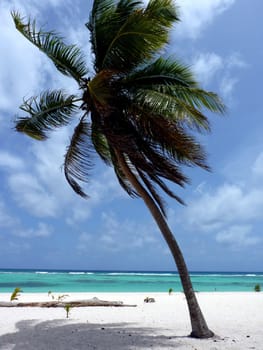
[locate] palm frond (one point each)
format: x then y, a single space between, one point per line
144 171
50 110
162 71
125 7
166 189
170 140
123 181
127 35
152 101
144 35
153 161
99 141
151 188
174 109
194 97
68 59
164 11
142 153
106 18
78 158
166 87
101 14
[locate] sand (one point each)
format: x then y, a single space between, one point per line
236 318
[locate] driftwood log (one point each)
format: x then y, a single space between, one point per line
59 303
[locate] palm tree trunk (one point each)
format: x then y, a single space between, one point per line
199 326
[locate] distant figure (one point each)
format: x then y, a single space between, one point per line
149 300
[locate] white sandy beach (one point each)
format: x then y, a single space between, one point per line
236 318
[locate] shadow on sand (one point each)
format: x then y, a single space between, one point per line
61 335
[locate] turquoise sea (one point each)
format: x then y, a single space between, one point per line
32 281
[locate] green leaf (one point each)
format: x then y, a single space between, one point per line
164 11
68 59
162 71
170 139
135 43
50 110
194 97
99 141
78 158
127 35
106 18
15 294
168 87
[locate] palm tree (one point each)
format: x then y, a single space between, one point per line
139 110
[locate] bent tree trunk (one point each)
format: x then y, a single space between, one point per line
199 326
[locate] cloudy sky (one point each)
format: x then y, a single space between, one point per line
43 224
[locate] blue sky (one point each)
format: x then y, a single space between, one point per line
43 224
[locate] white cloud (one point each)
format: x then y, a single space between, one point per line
257 167
42 230
80 37
229 77
200 188
210 66
227 86
115 235
84 241
231 212
80 212
85 237
10 162
8 220
34 7
5 219
20 64
43 191
235 61
237 237
197 15
48 159
226 205
103 188
17 248
206 66
49 185
30 194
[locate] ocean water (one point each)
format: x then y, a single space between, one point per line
32 281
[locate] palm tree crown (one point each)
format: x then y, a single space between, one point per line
137 106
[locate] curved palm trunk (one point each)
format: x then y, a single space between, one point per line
199 326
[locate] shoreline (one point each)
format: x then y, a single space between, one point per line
36 281
235 317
